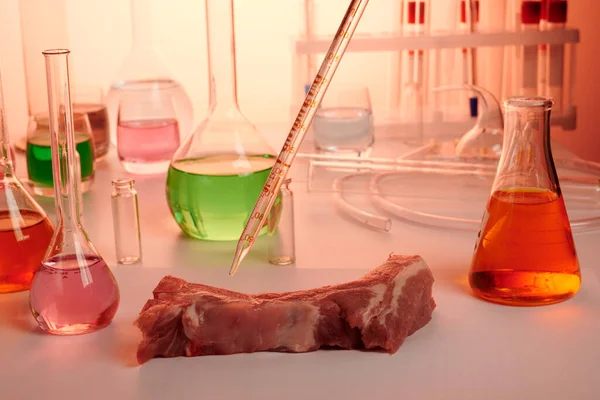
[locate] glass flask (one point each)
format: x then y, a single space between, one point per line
39 153
144 71
282 240
147 128
74 291
25 230
89 100
525 255
217 174
126 221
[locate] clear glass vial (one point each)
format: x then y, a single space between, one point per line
126 221
282 240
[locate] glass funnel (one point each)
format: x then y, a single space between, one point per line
143 71
217 174
25 230
74 291
39 153
525 254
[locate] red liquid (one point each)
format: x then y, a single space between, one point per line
147 141
23 244
70 296
525 254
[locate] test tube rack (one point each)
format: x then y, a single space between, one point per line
308 46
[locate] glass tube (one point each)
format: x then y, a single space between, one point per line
126 221
282 246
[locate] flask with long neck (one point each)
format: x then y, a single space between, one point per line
74 291
25 230
217 174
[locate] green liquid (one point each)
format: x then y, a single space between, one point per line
211 198
39 158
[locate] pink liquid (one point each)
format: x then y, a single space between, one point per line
70 296
147 141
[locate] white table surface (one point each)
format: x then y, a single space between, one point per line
470 350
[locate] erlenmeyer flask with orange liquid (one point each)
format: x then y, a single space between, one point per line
25 230
525 254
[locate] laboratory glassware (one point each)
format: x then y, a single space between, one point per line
413 97
555 56
39 152
89 100
531 12
525 254
344 122
282 239
126 221
74 291
25 230
270 190
144 66
148 131
218 173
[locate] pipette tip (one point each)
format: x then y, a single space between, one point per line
241 252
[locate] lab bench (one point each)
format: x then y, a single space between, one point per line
470 350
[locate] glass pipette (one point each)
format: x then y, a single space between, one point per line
292 143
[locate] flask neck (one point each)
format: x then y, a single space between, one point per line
6 161
141 24
64 162
220 35
526 159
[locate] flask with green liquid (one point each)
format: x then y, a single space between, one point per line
216 175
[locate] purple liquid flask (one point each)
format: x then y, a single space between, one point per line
74 291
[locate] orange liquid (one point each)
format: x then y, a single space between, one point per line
22 248
525 254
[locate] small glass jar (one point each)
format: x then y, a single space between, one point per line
126 221
282 240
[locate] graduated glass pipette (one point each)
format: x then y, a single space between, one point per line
292 143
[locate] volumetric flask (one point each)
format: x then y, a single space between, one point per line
89 100
525 253
25 230
344 121
144 67
217 174
74 291
147 127
39 152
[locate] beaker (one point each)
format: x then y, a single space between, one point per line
344 121
74 291
525 254
25 230
89 100
145 67
147 127
217 174
39 152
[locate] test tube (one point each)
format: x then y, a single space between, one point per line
126 221
282 246
530 21
469 23
557 19
543 52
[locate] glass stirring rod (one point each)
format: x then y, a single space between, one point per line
305 116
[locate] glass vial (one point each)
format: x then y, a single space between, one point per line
525 254
282 241
73 291
126 221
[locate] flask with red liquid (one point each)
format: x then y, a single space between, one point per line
525 254
74 291
25 230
